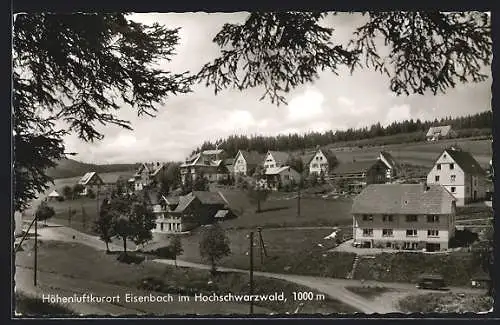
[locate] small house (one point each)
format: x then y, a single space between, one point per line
245 162
354 176
276 159
190 211
316 163
208 163
91 181
393 167
277 177
437 132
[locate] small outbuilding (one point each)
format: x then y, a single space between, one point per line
54 196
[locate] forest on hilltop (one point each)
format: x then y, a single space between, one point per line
479 124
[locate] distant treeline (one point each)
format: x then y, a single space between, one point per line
413 130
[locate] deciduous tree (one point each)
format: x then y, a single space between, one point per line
104 225
176 248
214 245
44 212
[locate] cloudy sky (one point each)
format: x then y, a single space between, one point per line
331 103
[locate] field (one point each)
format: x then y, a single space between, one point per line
294 251
280 210
419 153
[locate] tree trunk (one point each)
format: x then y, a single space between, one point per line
107 247
258 206
175 261
125 245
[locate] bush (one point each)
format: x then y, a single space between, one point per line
31 306
130 258
463 238
164 252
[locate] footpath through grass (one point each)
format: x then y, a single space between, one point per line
79 261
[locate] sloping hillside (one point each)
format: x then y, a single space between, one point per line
67 168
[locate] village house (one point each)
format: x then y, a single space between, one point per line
275 159
54 196
147 174
356 175
393 168
316 163
187 212
208 163
460 174
91 181
245 162
276 177
437 132
404 216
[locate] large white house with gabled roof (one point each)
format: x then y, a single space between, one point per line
404 216
460 174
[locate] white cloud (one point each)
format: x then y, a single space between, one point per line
345 101
307 105
397 113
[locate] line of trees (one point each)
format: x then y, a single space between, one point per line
293 142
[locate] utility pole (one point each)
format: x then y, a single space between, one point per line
298 201
262 245
35 266
251 272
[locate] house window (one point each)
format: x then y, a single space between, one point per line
367 232
161 226
432 233
387 218
432 218
436 178
287 177
411 232
315 166
438 166
453 189
387 233
452 166
367 217
453 178
411 218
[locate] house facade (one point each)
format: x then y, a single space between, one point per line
91 181
404 216
209 164
460 174
355 176
275 159
280 176
245 162
318 163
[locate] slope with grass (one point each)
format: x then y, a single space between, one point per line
446 303
456 267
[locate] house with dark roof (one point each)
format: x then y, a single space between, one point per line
147 174
208 163
354 176
276 177
245 162
274 159
437 132
91 181
404 216
184 213
394 168
460 174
